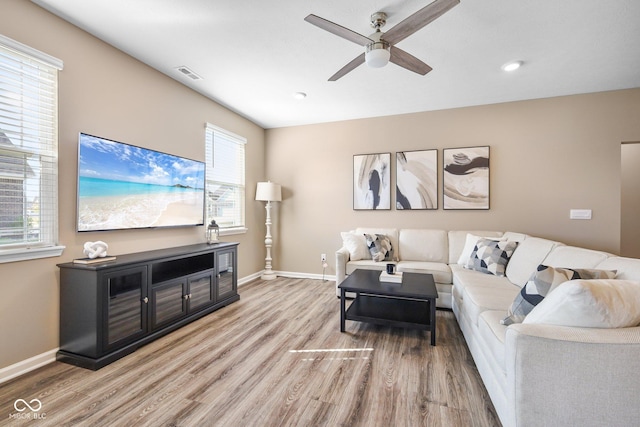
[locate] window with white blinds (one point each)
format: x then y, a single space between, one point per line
225 186
28 152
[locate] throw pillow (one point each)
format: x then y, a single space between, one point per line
356 245
541 283
491 256
469 245
601 303
379 247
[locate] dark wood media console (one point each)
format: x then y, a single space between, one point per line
108 310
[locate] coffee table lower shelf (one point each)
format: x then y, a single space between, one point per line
403 313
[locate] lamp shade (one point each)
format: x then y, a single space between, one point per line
269 192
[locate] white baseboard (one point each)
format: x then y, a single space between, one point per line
249 278
28 365
292 274
298 275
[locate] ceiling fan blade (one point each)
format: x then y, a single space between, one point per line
418 20
358 60
338 30
408 61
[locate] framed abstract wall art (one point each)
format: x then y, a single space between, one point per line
417 179
466 178
372 181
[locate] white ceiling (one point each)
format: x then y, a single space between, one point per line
253 55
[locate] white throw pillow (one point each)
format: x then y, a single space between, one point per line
469 244
599 303
356 244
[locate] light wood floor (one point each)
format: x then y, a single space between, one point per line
274 358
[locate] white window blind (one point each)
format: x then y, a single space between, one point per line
28 151
225 185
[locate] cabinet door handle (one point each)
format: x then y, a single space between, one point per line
145 300
187 296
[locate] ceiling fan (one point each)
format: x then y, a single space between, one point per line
380 47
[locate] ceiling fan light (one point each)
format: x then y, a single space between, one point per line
377 54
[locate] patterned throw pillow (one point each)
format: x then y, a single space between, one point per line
491 256
379 247
541 283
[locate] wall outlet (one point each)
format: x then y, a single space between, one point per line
323 257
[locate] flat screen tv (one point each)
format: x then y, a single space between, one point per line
121 186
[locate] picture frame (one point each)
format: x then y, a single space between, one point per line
417 180
372 181
465 178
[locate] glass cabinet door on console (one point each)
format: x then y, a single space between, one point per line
226 274
201 292
126 305
168 302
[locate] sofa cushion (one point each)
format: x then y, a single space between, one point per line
574 257
626 268
607 303
541 283
493 334
356 244
528 255
491 256
463 278
441 272
478 299
380 247
423 245
365 264
457 240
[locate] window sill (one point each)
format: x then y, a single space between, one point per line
231 231
25 254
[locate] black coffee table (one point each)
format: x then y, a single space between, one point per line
410 304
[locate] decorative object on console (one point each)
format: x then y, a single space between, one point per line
491 256
541 283
95 249
380 247
268 192
213 232
466 178
417 180
372 181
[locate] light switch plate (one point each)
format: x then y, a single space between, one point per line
580 214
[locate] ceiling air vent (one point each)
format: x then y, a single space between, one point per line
187 72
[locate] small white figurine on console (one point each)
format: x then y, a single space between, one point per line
95 249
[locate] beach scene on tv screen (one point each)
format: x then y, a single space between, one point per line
122 186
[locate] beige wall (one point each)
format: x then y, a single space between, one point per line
547 157
107 93
630 203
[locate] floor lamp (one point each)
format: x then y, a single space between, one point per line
268 192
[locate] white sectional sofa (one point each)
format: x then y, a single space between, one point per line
549 370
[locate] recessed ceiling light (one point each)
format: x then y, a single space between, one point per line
299 95
512 66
